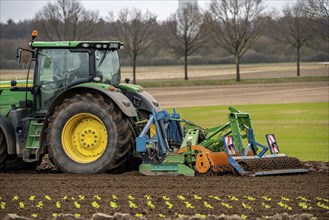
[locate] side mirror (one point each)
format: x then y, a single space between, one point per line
127 80
13 83
19 55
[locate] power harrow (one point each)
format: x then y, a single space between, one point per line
168 148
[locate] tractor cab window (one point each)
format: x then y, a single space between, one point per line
58 69
108 66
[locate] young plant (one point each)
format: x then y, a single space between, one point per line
196 197
2 205
114 205
31 198
266 198
130 197
322 205
132 205
165 198
304 205
81 197
244 216
246 206
233 198
39 205
95 205
228 206
97 197
169 205
265 205
285 206
161 215
215 197
180 197
285 199
58 204
250 198
139 215
34 215
47 197
188 205
207 205
15 198
77 204
150 204
21 205
114 197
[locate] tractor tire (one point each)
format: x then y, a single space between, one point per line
3 150
88 134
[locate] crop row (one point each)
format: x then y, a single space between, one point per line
36 204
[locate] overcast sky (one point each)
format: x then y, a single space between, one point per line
26 9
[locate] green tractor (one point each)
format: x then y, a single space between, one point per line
73 108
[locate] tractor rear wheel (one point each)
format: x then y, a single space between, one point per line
3 150
88 134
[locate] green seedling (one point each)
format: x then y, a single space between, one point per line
81 197
15 198
285 198
180 197
285 206
246 206
114 197
150 204
34 215
304 205
39 205
266 198
202 216
233 198
58 204
303 198
138 215
322 205
77 215
2 205
132 205
169 205
148 197
161 215
114 205
180 215
265 205
97 197
31 198
54 215
130 197
244 216
95 205
21 205
196 197
207 205
227 205
77 204
165 198
65 198
188 205
215 197
47 197
250 198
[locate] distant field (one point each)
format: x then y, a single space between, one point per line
225 71
301 129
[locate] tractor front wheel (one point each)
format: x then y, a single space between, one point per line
89 135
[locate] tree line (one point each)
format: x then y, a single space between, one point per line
228 31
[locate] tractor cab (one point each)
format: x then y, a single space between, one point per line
62 65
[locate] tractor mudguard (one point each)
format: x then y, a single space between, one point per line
143 101
120 100
9 132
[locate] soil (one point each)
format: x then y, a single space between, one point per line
40 195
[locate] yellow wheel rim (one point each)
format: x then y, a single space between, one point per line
84 138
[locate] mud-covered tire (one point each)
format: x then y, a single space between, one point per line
108 128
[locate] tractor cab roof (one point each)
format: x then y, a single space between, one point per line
105 45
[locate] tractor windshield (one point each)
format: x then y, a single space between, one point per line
108 66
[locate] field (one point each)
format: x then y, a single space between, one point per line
297 112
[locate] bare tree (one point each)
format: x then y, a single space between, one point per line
237 25
187 34
66 20
294 28
318 10
133 27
